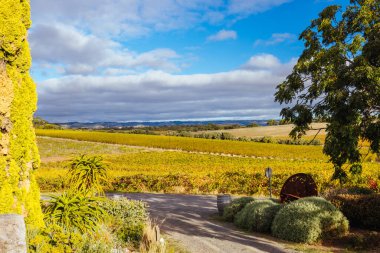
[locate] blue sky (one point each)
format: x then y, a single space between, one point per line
132 60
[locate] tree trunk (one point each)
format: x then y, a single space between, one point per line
19 192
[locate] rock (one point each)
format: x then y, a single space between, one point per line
12 233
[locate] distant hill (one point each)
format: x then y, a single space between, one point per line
41 123
109 125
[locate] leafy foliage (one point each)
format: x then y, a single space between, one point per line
18 100
75 211
337 78
236 206
54 238
87 173
272 122
308 220
59 239
257 215
262 214
215 135
362 211
127 218
192 144
135 170
241 218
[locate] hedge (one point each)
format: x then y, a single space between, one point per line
363 211
308 220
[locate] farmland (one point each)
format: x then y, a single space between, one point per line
261 150
159 163
274 131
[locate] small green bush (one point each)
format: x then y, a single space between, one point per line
241 218
236 205
74 211
87 174
364 241
268 139
359 190
127 219
262 215
58 239
362 211
54 238
308 220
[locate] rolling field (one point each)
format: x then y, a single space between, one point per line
260 150
142 169
274 131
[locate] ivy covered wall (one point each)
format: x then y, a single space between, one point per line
19 192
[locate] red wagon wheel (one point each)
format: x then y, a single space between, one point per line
298 186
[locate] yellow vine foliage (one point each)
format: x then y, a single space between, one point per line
18 151
179 168
241 148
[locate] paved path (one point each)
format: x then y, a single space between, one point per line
188 219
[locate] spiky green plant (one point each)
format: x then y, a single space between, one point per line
87 174
75 211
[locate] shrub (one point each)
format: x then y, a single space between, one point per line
58 239
54 238
87 174
262 214
241 218
309 220
236 205
226 136
127 219
365 240
361 210
102 241
74 211
359 190
268 139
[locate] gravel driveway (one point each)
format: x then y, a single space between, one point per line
190 220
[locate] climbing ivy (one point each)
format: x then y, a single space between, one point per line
18 151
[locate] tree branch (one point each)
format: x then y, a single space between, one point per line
315 136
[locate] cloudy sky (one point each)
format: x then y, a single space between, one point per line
127 60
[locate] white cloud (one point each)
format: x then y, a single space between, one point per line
84 44
131 18
247 7
157 95
80 53
262 61
276 38
223 35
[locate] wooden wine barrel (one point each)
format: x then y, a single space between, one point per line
222 201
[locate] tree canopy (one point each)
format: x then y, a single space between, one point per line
337 78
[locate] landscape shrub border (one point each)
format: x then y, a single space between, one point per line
306 220
362 210
257 215
235 207
263 213
309 220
